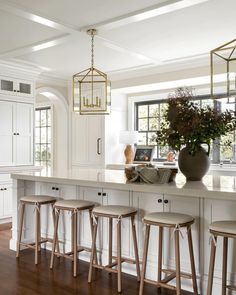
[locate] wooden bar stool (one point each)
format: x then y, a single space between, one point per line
73 206
114 212
225 229
37 201
175 221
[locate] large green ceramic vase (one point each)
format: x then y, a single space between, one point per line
194 167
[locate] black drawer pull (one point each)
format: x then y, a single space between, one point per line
159 200
166 201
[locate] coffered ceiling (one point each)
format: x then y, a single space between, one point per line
133 36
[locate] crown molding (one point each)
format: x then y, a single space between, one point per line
19 70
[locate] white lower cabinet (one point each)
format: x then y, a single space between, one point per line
5 201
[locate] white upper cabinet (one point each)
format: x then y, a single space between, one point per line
16 133
16 87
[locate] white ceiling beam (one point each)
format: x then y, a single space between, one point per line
153 11
146 13
17 10
35 47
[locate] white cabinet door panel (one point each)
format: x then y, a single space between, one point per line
24 150
148 203
184 205
95 140
24 137
79 139
6 133
92 195
122 198
1 203
7 200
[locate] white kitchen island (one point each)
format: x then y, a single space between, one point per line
212 199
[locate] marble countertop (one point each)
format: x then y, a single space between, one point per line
213 185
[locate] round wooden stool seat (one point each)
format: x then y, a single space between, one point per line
74 204
38 199
224 226
168 219
114 211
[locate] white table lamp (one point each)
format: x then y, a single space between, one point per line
129 138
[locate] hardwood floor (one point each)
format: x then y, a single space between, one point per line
22 277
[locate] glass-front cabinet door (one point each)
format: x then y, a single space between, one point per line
13 86
7 85
25 88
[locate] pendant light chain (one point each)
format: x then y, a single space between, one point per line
92 50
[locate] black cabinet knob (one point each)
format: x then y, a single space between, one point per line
17 133
166 201
5 188
57 188
104 194
99 194
53 188
159 200
1 189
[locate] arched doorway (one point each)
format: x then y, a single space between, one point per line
50 97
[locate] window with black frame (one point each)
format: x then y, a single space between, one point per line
149 115
43 137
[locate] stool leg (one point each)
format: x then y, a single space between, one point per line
224 268
54 221
135 247
55 238
177 262
145 253
20 229
39 232
75 239
211 267
119 287
160 250
91 227
193 269
93 250
37 214
110 237
72 234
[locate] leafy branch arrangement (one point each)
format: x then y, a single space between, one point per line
187 124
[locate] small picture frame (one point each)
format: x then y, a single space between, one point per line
143 154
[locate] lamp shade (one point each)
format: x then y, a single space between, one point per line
128 137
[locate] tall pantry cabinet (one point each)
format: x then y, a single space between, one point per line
17 99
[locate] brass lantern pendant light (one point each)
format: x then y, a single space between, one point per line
91 88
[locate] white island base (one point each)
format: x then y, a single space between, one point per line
212 199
